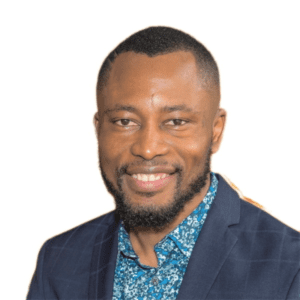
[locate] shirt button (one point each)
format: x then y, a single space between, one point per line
155 281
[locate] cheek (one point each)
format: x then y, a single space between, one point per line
194 153
111 151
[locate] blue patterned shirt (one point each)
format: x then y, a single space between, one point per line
133 280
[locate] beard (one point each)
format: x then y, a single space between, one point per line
153 217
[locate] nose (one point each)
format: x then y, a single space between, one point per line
150 142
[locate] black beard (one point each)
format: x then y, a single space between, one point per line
152 217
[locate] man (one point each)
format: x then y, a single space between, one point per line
179 231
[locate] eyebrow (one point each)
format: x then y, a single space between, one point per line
119 107
167 109
182 107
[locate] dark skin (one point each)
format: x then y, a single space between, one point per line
181 135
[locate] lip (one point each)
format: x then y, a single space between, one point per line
150 170
149 186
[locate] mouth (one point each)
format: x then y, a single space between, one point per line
149 182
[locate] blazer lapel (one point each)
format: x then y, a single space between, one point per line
103 262
213 246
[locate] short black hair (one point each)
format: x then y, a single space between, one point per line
161 40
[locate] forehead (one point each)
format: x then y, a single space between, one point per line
138 78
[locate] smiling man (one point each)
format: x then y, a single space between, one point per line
179 231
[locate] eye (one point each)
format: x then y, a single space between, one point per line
124 123
176 122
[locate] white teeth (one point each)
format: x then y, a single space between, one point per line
145 177
152 177
149 177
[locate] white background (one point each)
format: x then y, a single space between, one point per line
51 52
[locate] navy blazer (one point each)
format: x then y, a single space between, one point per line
241 253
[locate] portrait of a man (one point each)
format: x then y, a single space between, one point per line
179 230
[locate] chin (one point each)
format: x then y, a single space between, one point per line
148 211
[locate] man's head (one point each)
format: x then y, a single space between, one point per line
158 123
154 41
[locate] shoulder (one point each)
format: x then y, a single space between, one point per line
83 234
266 253
66 258
269 246
268 229
258 231
265 236
253 216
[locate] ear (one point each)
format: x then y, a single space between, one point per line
96 123
218 128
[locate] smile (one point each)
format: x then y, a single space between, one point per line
149 182
149 177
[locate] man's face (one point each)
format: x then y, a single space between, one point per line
156 131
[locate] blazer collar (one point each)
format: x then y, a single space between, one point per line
213 246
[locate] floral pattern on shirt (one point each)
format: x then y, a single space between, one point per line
133 280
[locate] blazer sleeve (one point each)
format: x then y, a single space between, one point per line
36 289
294 291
